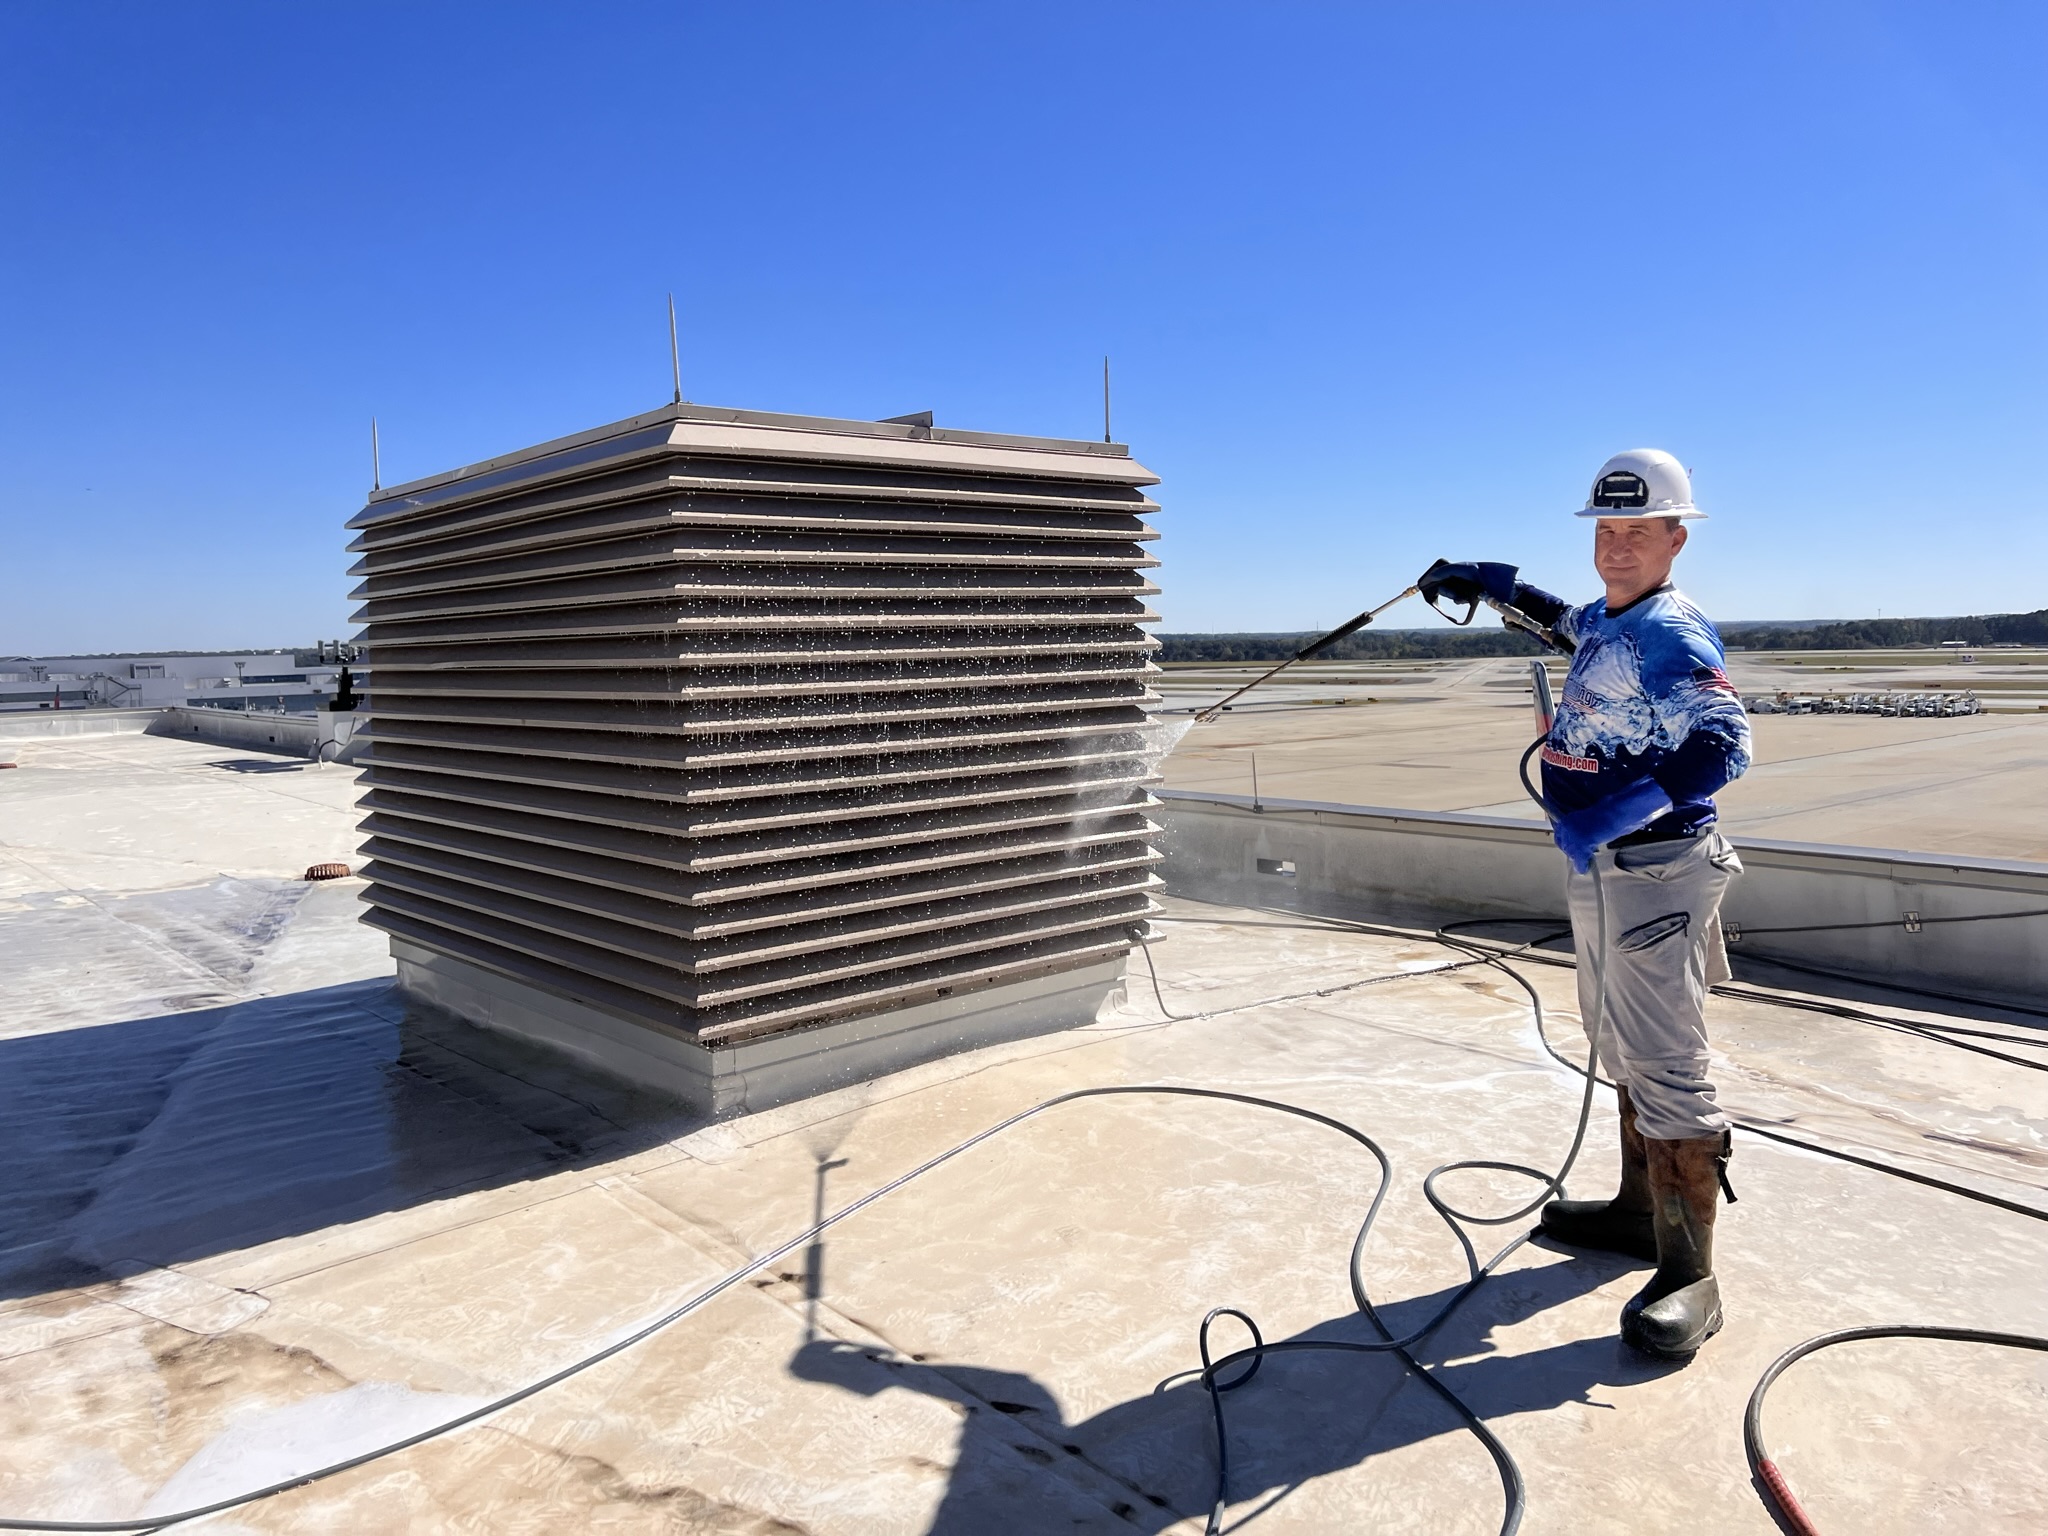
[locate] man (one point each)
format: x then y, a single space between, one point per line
1647 730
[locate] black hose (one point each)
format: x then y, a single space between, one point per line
1553 1185
1760 1463
1941 1034
1145 948
1751 1127
1930 1029
1751 992
1213 1369
1536 795
1777 1491
1900 922
1897 986
1211 1372
1513 1487
1522 768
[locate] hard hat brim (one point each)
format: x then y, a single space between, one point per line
1638 514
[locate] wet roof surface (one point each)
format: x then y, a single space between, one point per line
259 1214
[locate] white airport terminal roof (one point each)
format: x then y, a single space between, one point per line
258 1217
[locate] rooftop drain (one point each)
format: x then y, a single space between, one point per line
725 725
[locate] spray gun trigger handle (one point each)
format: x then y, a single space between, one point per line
1471 607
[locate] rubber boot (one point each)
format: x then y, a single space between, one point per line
1680 1309
1620 1225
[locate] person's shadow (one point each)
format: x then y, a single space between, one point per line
1148 1462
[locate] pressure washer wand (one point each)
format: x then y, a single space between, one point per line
1307 651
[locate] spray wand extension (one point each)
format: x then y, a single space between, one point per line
1513 617
1351 627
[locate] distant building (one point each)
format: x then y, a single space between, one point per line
283 682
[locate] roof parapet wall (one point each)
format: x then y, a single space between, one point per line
1493 866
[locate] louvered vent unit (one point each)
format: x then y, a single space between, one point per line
727 724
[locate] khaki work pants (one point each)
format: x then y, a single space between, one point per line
1663 950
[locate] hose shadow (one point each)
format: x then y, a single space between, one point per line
1149 1461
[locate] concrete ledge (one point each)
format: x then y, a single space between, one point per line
754 1074
31 724
329 736
1292 852
287 735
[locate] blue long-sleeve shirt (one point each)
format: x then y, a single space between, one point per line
1646 697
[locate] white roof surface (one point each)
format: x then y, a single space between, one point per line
257 1216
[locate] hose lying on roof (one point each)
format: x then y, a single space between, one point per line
1760 1461
1215 1372
1767 1476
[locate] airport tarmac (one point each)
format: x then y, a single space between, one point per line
1446 736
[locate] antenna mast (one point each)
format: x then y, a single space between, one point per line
1105 399
376 461
675 356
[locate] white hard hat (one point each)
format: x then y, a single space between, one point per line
1641 482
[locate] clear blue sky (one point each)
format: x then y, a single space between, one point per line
1380 282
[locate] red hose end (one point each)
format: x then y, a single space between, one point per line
1781 1495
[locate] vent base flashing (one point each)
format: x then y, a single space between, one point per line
723 1081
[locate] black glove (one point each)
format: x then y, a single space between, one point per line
1468 582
